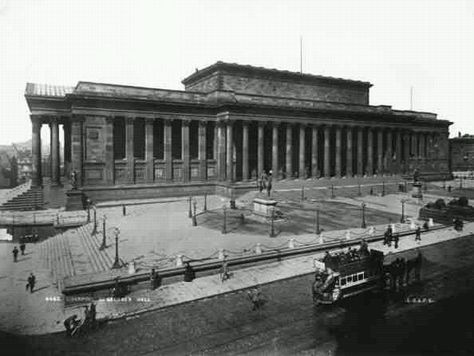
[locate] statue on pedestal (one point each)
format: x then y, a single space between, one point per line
74 180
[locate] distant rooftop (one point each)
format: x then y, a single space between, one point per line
275 73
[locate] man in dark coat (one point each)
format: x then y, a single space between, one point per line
15 254
70 323
31 282
418 234
22 248
189 274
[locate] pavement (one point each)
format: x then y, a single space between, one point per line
75 252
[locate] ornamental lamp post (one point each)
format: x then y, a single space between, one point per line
88 202
190 213
318 230
402 218
272 231
363 224
205 202
104 236
359 193
117 260
194 215
332 191
383 188
94 230
224 223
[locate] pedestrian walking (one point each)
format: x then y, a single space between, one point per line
15 254
255 298
189 274
22 248
31 282
225 275
155 279
396 239
93 314
418 234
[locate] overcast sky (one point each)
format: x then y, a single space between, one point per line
427 45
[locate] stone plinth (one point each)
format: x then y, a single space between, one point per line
416 191
264 206
75 200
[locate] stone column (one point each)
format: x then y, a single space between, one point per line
429 145
215 143
327 132
77 151
67 149
302 147
314 151
370 152
422 151
185 149
221 150
379 151
109 151
389 154
230 152
398 150
245 151
414 145
275 167
130 156
37 178
338 165
149 158
289 151
202 155
55 169
349 152
407 146
260 149
360 151
167 153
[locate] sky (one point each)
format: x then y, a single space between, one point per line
395 45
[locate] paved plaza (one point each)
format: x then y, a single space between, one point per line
152 235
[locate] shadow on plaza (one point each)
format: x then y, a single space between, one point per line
298 218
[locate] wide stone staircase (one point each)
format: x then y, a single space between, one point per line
31 199
74 252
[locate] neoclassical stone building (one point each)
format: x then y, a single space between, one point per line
229 124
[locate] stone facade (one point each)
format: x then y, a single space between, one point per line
462 153
230 124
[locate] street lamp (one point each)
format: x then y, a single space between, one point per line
205 202
363 224
272 231
117 261
224 227
190 213
317 230
104 236
302 193
383 188
403 201
88 201
94 230
332 191
359 193
194 215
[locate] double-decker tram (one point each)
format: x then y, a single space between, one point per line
342 275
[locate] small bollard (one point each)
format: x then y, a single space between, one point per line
124 210
258 249
430 222
371 230
131 267
291 243
412 225
221 254
348 234
321 238
179 261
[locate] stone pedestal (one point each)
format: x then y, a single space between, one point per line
264 207
416 191
75 200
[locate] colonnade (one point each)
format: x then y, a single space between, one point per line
289 149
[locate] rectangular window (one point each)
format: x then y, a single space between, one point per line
139 138
119 137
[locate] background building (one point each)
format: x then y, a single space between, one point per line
231 123
462 153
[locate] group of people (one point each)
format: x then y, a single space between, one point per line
15 251
389 236
155 279
400 271
348 256
72 323
265 182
